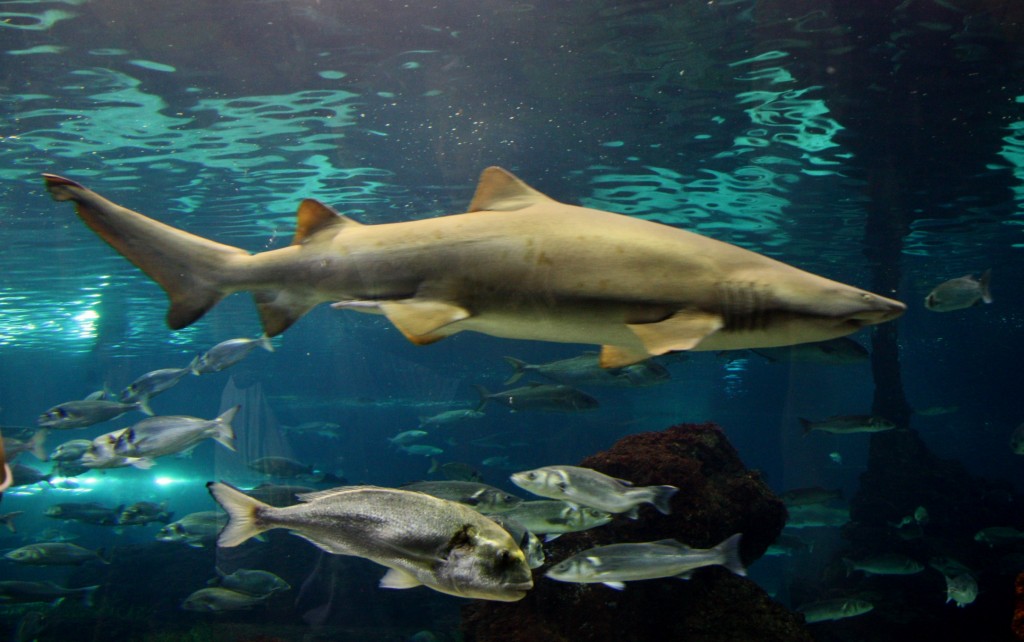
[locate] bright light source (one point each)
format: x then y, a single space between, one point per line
164 481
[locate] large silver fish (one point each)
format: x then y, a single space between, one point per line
517 265
424 540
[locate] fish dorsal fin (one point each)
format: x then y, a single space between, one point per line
500 191
313 216
321 494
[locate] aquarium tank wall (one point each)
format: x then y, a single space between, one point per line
495 321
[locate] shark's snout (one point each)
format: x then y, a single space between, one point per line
878 309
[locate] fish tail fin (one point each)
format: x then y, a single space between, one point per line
518 369
807 426
224 434
189 268
243 514
8 520
730 551
143 406
193 366
484 394
37 445
850 566
984 283
265 343
661 496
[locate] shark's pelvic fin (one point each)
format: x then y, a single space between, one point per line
500 191
681 331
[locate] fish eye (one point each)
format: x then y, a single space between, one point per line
531 476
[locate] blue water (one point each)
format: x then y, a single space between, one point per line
782 127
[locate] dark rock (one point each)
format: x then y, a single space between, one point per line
717 497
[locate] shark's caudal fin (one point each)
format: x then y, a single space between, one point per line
188 267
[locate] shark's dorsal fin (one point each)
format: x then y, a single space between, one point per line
314 216
500 191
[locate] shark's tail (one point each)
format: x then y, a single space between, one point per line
191 269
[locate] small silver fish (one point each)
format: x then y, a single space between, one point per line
450 417
194 529
884 564
618 563
407 437
160 436
586 370
957 294
553 517
141 513
539 397
71 450
591 488
480 497
838 609
81 413
54 554
227 353
962 589
253 582
847 424
215 599
151 384
422 450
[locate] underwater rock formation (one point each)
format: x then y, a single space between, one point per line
717 497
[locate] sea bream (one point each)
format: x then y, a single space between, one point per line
592 488
159 436
227 353
423 540
151 384
84 412
516 265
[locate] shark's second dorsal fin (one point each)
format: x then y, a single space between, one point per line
314 216
499 190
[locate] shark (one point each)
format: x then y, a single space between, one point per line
518 264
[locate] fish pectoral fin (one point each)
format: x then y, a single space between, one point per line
683 330
618 586
396 579
619 357
685 575
420 319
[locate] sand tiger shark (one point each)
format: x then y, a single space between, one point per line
517 264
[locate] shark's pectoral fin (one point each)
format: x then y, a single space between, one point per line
619 357
418 319
681 331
